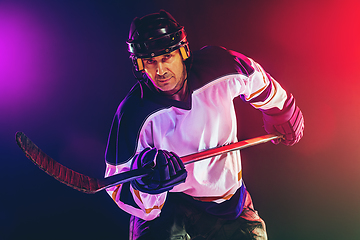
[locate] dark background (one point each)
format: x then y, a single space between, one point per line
64 69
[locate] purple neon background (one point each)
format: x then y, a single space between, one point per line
64 68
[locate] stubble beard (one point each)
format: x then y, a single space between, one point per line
179 85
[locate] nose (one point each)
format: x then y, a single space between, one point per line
161 69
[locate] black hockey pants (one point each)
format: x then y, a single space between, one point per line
180 220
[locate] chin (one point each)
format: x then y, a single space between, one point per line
167 89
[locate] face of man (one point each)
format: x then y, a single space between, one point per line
167 72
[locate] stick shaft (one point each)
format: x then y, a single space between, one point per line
228 148
195 157
88 184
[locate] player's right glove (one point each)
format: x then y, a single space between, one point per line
289 122
168 171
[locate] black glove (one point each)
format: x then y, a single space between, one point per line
168 171
289 122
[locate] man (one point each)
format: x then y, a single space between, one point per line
182 104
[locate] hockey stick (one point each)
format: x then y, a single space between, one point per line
88 184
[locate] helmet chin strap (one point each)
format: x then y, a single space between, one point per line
182 86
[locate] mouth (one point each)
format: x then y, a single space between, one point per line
164 80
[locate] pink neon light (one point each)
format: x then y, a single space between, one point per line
25 61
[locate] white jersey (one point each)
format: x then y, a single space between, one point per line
206 120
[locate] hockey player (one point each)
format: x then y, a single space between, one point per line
182 104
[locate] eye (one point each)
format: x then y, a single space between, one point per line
166 57
150 61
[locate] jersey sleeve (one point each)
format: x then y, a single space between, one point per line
123 145
280 112
142 205
257 87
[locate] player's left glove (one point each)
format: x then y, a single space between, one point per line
289 122
168 171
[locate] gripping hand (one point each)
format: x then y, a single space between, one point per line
289 122
168 171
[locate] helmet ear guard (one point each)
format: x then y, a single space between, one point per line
184 52
139 64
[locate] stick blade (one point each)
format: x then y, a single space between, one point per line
61 173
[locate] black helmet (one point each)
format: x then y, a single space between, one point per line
156 34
